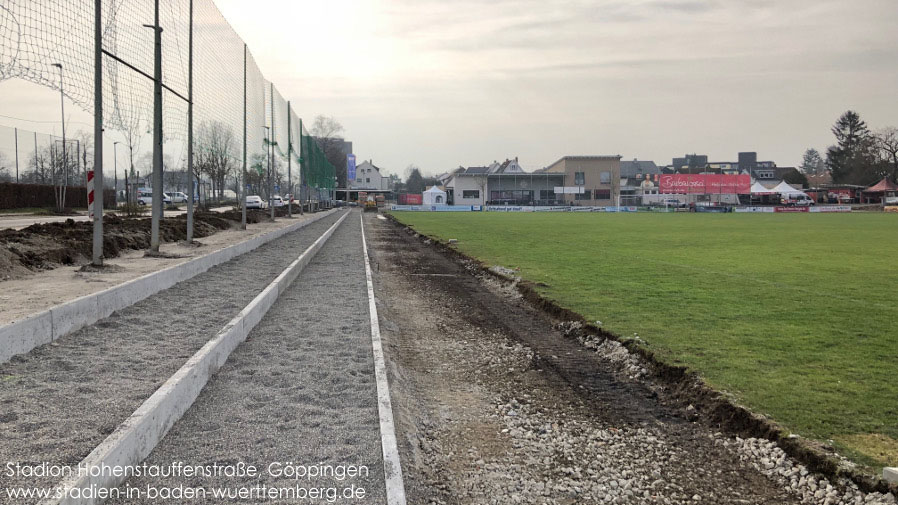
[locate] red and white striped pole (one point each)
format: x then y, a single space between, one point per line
90 194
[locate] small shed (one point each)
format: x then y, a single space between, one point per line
434 196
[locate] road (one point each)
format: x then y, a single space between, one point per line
17 222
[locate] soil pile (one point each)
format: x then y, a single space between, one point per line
49 245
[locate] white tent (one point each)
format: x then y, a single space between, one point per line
759 189
434 196
785 189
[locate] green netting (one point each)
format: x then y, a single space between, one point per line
317 172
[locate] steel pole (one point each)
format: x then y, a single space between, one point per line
301 160
271 155
157 133
16 130
242 189
289 152
97 256
190 130
115 170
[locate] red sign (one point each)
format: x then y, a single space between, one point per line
707 184
410 199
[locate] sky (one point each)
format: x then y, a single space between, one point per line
440 84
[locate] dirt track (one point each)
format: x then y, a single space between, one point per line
495 405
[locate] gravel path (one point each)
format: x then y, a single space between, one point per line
495 404
301 389
61 400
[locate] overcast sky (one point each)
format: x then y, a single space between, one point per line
446 83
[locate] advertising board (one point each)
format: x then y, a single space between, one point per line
706 184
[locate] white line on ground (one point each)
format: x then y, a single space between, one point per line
392 468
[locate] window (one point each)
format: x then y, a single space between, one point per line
547 194
579 178
605 178
470 193
586 195
603 194
367 179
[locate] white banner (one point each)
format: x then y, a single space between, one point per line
569 190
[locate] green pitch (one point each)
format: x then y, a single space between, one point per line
794 315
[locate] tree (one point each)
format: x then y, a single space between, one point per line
812 163
414 182
328 134
795 177
851 160
215 153
886 141
5 169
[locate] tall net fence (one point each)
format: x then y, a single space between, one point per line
318 173
51 43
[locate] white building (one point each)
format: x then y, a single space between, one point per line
368 176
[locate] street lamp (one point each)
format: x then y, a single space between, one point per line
115 169
268 153
62 108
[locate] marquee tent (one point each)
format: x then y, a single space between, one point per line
882 186
434 196
785 189
759 189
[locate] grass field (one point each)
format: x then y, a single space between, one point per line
794 315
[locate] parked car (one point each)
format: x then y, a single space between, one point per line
146 198
178 197
277 201
673 202
253 202
797 201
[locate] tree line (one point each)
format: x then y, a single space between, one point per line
860 156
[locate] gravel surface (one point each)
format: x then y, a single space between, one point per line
61 400
495 405
301 389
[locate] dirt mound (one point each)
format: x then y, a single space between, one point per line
48 245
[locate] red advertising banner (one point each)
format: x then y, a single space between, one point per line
410 199
705 184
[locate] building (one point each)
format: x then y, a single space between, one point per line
588 180
690 162
368 177
638 178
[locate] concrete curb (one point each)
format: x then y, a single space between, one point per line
136 438
21 336
392 466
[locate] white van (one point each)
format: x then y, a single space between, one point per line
797 200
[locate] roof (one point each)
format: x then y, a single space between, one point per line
882 186
586 158
632 168
472 171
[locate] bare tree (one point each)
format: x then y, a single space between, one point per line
216 151
5 168
887 145
328 133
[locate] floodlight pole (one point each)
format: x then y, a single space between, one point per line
60 192
190 130
289 152
16 130
97 249
242 188
115 170
271 156
157 132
